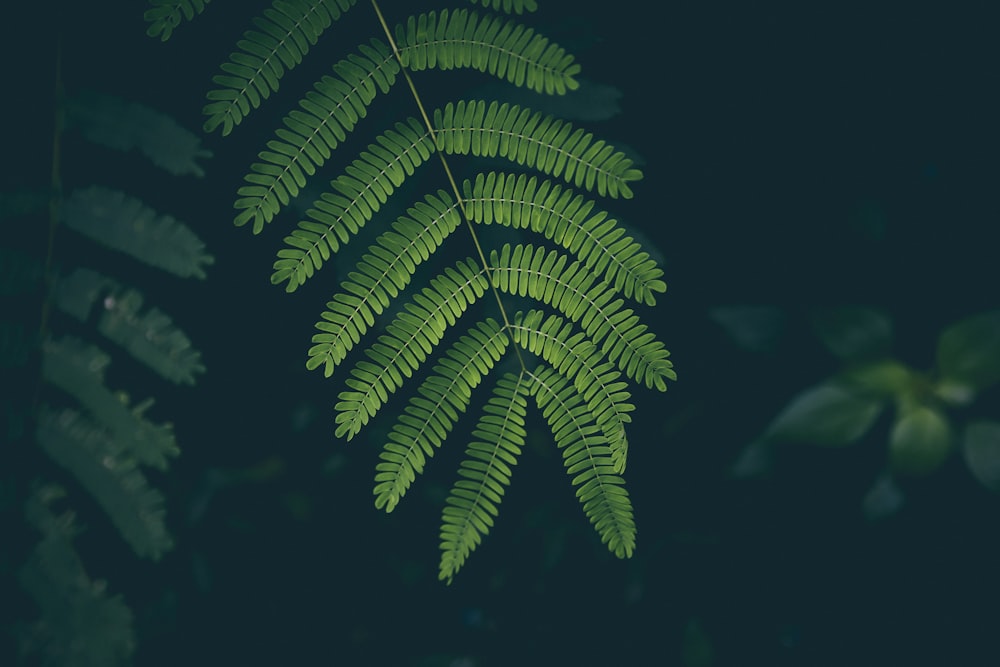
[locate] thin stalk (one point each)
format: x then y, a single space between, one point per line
454 186
55 197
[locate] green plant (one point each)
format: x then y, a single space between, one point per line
100 441
927 426
570 363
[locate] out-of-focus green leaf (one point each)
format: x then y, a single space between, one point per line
80 623
828 414
853 333
954 392
969 351
884 379
920 441
981 449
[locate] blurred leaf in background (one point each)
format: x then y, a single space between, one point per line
923 433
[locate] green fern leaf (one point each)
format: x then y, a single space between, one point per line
124 125
331 111
535 140
518 6
473 502
286 32
585 350
125 224
523 202
588 460
78 369
360 193
380 276
524 137
150 337
165 15
576 292
432 412
106 468
505 49
80 622
408 341
579 360
324 119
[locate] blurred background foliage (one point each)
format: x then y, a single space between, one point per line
818 488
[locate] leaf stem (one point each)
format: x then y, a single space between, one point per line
55 198
454 186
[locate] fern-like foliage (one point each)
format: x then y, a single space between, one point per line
124 125
588 460
124 223
460 39
149 336
165 15
106 468
284 34
573 353
495 130
485 473
84 625
96 436
517 6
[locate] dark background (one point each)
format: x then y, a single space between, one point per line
797 155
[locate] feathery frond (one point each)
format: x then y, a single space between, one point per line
165 15
526 202
569 287
78 369
284 34
358 195
328 113
474 500
379 277
325 117
150 337
588 459
95 438
578 359
431 414
587 350
535 140
126 224
506 131
80 622
408 341
105 466
518 6
505 49
124 125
